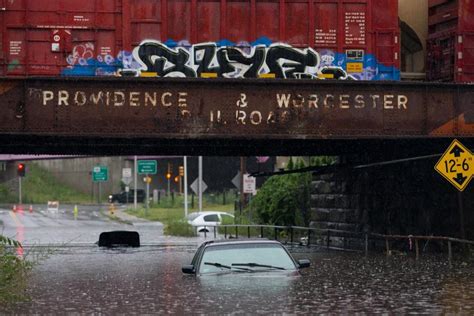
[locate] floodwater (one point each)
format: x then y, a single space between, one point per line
148 280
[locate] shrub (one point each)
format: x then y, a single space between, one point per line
283 200
13 272
6 196
179 227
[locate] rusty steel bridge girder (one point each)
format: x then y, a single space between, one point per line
228 116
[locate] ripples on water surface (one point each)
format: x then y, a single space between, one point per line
149 280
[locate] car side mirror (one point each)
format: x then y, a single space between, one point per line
188 269
304 263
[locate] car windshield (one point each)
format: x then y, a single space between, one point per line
255 257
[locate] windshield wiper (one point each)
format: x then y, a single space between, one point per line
251 264
220 265
217 264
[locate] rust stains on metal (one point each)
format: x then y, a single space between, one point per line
226 109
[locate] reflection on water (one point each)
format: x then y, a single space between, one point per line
20 236
149 280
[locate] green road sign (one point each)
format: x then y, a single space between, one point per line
147 166
100 174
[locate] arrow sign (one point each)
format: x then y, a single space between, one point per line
456 165
456 151
460 179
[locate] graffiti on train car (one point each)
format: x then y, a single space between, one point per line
224 59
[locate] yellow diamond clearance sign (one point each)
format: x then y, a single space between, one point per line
457 165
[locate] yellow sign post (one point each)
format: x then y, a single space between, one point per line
456 165
76 212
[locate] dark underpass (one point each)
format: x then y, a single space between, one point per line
388 135
388 138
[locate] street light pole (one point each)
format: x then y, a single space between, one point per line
185 166
243 171
135 183
147 193
19 190
200 183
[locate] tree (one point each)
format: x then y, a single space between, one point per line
283 200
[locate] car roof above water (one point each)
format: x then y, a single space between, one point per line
220 242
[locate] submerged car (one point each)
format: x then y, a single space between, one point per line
243 256
127 197
204 221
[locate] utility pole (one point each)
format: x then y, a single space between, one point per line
168 177
185 166
243 170
19 190
461 215
200 183
147 200
135 163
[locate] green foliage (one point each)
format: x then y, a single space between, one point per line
179 227
6 196
210 200
13 272
283 200
291 165
40 186
169 209
173 200
170 212
227 220
163 215
322 160
10 242
300 164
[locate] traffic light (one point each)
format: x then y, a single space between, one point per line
176 179
181 171
21 168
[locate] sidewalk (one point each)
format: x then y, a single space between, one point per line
128 218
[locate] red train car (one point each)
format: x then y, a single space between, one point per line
341 39
451 40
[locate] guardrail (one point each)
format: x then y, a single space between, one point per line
416 239
311 233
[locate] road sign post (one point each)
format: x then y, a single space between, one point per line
185 170
456 165
100 174
147 167
127 179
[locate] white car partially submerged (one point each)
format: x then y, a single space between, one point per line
205 221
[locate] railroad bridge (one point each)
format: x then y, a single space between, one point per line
232 116
389 135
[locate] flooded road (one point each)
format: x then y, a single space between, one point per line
88 279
